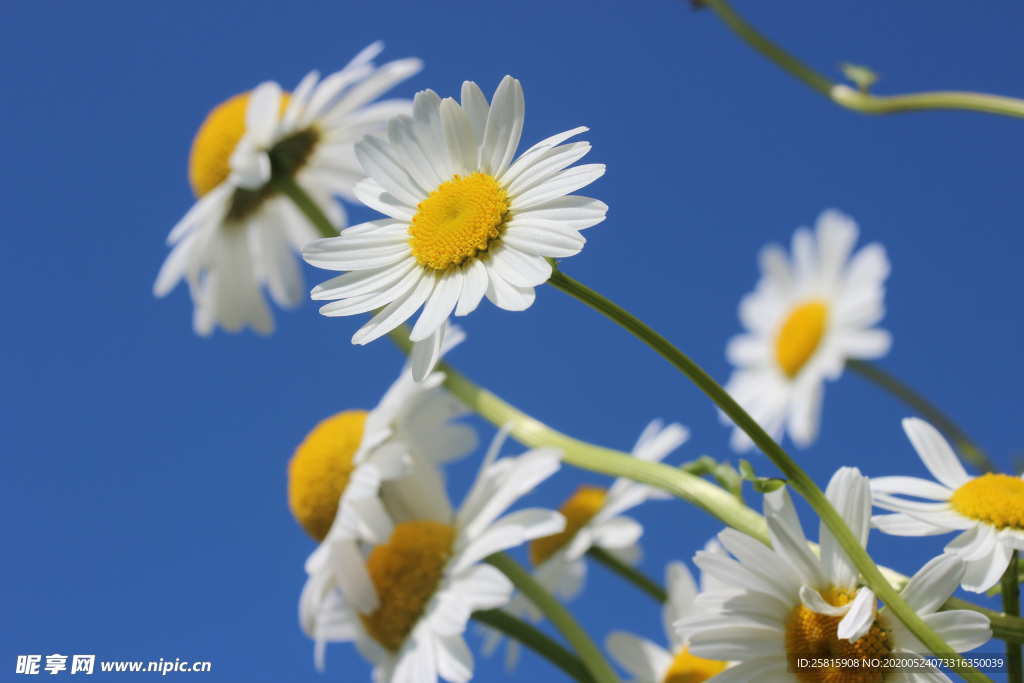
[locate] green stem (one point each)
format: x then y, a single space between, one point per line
968 451
535 639
1011 606
631 574
713 499
798 479
559 617
287 186
855 100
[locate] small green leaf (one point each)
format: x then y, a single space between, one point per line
862 76
760 484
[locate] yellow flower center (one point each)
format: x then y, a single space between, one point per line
406 571
210 159
319 471
687 668
811 636
460 220
578 510
800 336
997 499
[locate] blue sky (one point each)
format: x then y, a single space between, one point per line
144 488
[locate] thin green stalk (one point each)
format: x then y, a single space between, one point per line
631 574
1011 606
798 479
535 639
286 185
856 100
559 617
968 450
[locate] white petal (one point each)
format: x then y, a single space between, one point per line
643 659
425 354
378 160
395 313
849 493
859 618
360 282
261 114
543 238
571 211
376 197
933 583
935 452
518 268
506 295
911 486
563 183
475 105
458 133
351 575
510 531
504 126
962 629
454 660
900 524
474 286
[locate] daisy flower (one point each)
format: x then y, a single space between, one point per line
648 662
803 321
774 606
464 218
988 509
594 519
241 233
359 472
407 602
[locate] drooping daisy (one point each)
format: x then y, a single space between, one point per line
648 662
988 509
465 218
407 603
241 233
359 472
803 321
776 606
594 519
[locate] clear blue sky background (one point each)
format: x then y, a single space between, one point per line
143 494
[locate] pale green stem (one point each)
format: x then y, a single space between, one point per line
798 479
713 499
535 639
286 185
559 617
964 445
855 100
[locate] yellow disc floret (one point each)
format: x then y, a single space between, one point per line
800 335
812 637
319 471
406 572
997 499
460 220
687 668
578 510
209 162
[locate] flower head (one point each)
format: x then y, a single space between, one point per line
464 219
803 321
988 509
241 233
773 607
407 600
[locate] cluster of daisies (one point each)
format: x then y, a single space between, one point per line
399 570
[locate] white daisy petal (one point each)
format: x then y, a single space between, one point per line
395 313
933 583
518 268
563 183
474 286
439 305
911 486
935 453
543 238
504 294
644 660
860 617
503 128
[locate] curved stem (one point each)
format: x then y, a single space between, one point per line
535 639
287 186
631 574
1011 606
855 100
928 410
798 479
559 616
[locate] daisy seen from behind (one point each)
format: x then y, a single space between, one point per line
648 662
987 510
242 233
773 607
808 314
464 217
407 601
